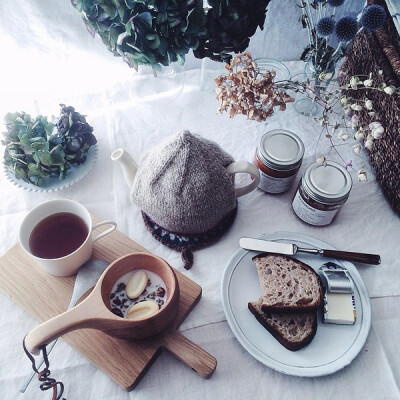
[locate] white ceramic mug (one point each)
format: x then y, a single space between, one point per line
69 264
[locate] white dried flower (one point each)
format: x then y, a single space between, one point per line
359 134
343 135
347 110
376 129
389 90
321 160
325 76
357 148
368 82
378 133
354 82
356 107
344 100
368 144
362 175
354 121
368 104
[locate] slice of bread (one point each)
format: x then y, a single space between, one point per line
292 330
287 284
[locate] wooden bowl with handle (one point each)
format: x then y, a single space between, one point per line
95 311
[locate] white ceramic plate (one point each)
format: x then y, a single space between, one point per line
333 347
75 174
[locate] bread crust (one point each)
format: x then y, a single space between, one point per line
268 321
277 273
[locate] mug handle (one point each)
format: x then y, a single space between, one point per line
106 232
239 167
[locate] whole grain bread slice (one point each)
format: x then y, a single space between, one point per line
287 284
292 330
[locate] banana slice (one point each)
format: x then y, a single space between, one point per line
136 284
142 310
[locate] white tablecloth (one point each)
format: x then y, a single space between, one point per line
48 58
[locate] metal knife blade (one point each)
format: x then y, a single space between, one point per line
268 246
86 278
291 249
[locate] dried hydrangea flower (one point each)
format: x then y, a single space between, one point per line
248 91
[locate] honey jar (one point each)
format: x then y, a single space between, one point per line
278 158
321 193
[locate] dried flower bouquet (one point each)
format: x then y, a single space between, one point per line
248 91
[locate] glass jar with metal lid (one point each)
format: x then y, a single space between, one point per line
278 157
322 191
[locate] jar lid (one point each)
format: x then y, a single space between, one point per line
281 150
327 183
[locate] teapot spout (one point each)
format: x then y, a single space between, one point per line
128 165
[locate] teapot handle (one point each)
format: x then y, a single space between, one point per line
240 167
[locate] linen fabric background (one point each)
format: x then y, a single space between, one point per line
48 58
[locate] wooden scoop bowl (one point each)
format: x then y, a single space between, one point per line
95 312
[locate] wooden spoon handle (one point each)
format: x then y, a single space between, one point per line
75 318
190 353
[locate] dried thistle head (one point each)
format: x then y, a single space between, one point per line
248 91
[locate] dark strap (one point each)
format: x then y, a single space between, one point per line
44 375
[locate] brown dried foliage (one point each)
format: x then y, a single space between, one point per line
248 91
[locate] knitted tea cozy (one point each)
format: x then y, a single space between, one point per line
185 192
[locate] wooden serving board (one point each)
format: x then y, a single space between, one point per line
45 296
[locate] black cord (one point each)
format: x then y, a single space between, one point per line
44 375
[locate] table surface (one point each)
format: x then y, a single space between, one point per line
48 59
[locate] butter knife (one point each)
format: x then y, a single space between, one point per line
86 278
291 249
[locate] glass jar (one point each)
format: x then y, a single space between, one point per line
278 158
321 193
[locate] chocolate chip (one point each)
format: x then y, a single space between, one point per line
118 312
160 302
148 282
121 286
151 296
112 295
160 292
117 301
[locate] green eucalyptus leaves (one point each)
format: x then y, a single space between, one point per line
37 149
159 32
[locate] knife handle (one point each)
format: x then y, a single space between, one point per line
373 259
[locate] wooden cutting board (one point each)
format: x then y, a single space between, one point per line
45 296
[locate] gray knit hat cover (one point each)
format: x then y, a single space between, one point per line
183 185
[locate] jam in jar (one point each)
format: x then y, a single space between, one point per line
278 158
321 193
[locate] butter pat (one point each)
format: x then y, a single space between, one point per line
339 301
339 308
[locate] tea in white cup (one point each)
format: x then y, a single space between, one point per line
58 235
